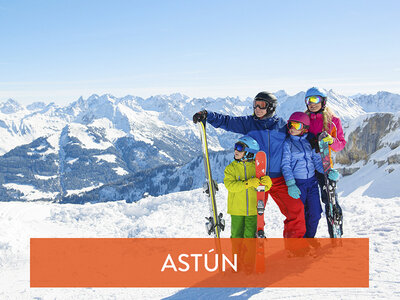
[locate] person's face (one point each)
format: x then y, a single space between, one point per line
260 112
260 108
296 128
293 131
314 103
239 154
314 107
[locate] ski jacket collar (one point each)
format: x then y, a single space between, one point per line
315 116
269 122
267 116
299 137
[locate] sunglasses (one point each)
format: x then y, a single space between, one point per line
295 125
260 104
314 99
240 147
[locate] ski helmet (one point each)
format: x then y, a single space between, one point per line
251 146
269 99
314 91
300 117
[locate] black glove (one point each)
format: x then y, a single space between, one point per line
313 140
199 116
314 144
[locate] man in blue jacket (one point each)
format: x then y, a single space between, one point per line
270 133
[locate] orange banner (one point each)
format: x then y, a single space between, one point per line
195 262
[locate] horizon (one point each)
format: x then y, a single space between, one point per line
168 95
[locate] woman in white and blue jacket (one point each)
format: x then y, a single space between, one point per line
299 162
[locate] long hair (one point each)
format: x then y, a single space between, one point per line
327 115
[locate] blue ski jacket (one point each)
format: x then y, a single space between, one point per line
299 160
270 134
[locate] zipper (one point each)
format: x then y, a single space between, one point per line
295 164
247 191
305 157
269 153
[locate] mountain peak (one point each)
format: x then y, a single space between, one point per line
10 106
93 97
37 105
280 94
380 102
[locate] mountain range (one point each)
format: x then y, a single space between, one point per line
105 148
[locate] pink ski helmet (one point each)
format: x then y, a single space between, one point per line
301 117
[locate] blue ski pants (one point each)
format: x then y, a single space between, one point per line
312 205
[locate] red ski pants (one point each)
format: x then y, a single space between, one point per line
292 209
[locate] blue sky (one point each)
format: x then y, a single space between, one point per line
60 50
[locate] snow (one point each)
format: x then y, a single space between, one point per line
182 215
106 157
71 160
54 141
41 177
87 141
80 191
29 192
373 181
121 171
111 133
163 153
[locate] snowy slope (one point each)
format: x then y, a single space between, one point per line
182 215
372 155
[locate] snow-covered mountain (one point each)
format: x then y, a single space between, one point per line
345 108
106 148
380 102
99 142
372 155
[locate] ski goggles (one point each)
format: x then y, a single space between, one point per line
260 104
314 99
295 125
240 147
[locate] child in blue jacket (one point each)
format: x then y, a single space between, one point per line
299 162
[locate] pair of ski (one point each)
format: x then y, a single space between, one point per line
215 223
261 170
335 217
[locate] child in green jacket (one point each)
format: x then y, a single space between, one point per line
241 182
